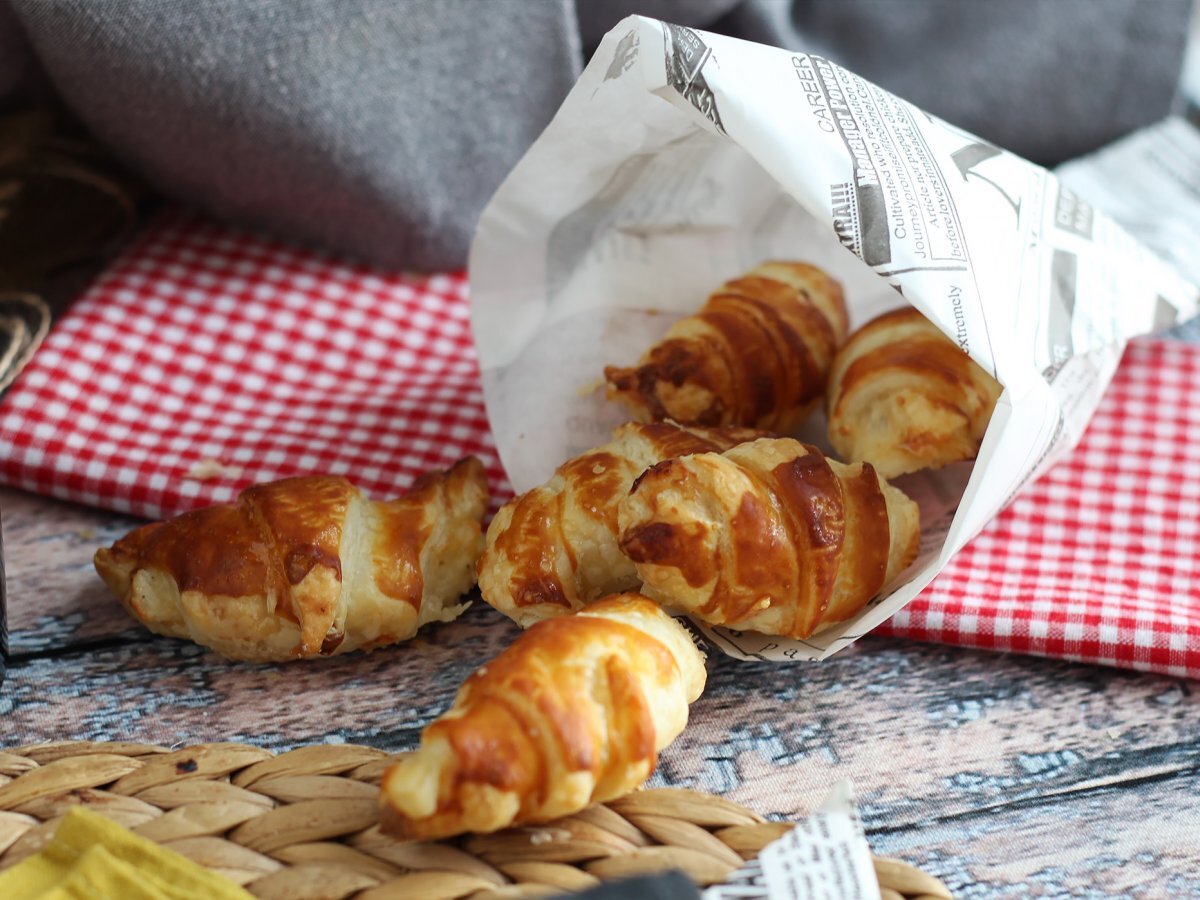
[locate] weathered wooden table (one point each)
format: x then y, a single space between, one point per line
1003 775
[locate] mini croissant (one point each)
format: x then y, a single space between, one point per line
574 712
903 397
554 548
305 567
757 354
769 536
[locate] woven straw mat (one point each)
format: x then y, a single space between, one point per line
304 824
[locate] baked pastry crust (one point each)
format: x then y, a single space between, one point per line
757 354
305 567
769 536
574 712
554 548
904 397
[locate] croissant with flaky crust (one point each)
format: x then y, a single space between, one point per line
904 397
769 536
757 354
305 567
554 548
574 712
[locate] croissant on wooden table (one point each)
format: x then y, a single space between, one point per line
554 548
757 354
305 567
904 397
574 712
769 536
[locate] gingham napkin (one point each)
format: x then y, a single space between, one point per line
206 359
1098 560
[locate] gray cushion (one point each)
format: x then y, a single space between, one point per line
380 129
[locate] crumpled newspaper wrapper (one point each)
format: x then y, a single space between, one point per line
825 857
682 158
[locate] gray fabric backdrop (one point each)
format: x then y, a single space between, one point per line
380 129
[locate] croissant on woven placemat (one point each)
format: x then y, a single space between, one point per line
305 567
757 354
574 712
904 397
769 536
554 548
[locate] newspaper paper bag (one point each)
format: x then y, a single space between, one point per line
682 158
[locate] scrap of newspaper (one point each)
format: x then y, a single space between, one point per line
825 857
682 158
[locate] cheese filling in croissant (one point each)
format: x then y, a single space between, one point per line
574 712
757 354
769 536
554 548
902 396
305 567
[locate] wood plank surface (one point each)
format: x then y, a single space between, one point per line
55 598
1135 841
1004 775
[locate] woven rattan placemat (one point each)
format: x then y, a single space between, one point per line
304 824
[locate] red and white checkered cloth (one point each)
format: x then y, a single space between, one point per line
204 343
1098 560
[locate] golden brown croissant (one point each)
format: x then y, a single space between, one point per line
769 536
903 397
757 354
305 567
574 712
554 548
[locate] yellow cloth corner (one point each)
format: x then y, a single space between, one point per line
93 857
97 873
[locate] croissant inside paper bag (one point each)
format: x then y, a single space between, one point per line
769 536
904 397
757 354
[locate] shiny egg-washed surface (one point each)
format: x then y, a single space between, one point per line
1003 775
